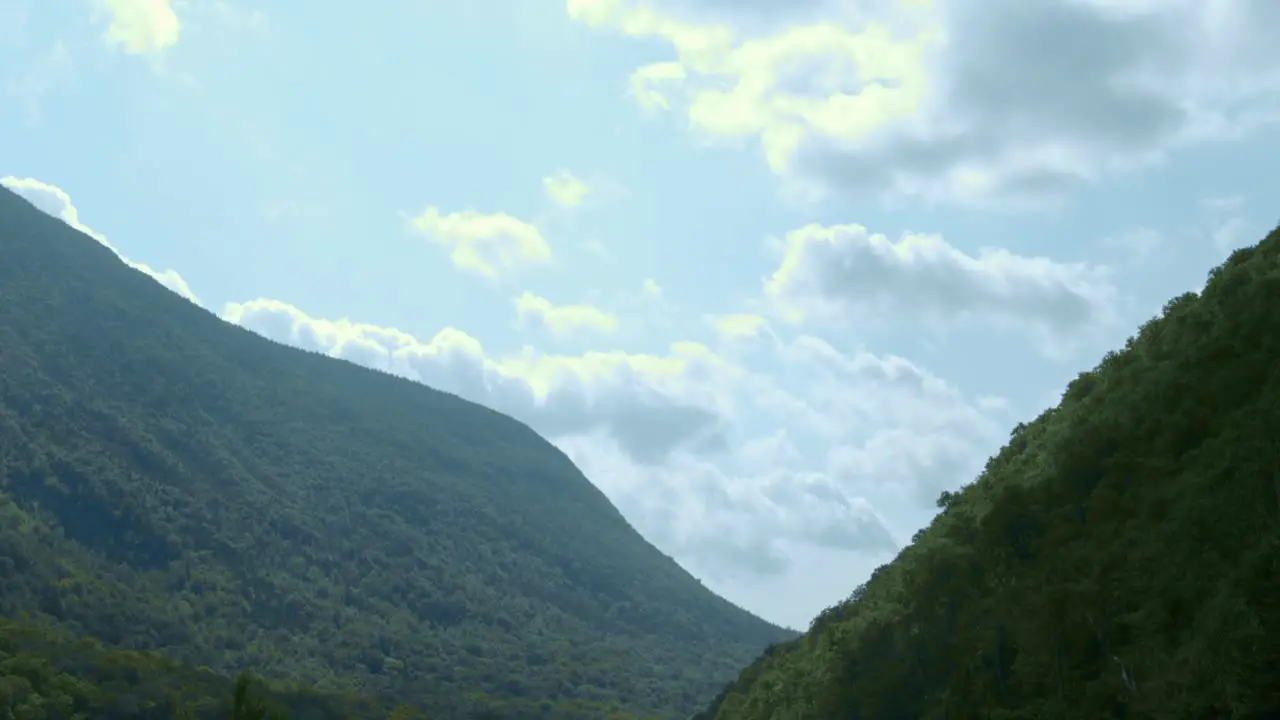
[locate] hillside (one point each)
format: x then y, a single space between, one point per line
172 482
1119 558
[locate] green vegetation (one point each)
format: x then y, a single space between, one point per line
45 672
1119 558
173 483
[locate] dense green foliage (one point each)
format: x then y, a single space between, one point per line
1120 557
47 673
171 482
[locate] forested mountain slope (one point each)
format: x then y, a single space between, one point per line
1119 558
170 481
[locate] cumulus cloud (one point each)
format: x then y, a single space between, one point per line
742 517
898 429
868 392
738 326
650 404
647 84
55 201
563 319
845 270
491 245
895 435
962 100
141 26
564 189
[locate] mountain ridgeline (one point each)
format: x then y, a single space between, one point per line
181 499
1119 558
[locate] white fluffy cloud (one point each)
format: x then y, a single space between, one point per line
55 201
141 26
738 327
565 189
744 516
647 84
491 245
896 429
846 271
563 319
965 99
652 405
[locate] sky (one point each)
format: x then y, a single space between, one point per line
774 275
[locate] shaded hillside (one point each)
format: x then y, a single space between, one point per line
182 484
1119 558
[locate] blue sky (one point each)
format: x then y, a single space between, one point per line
773 274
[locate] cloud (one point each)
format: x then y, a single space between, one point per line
867 392
967 100
843 270
491 245
726 520
563 319
564 189
646 84
141 26
651 289
896 428
54 201
650 404
738 327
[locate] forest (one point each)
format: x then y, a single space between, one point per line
1118 558
182 501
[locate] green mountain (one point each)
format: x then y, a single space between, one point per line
172 482
1119 558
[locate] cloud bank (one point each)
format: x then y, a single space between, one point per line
959 101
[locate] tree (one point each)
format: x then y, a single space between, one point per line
249 705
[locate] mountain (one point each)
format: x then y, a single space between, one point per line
171 482
1119 558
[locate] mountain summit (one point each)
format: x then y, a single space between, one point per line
170 481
